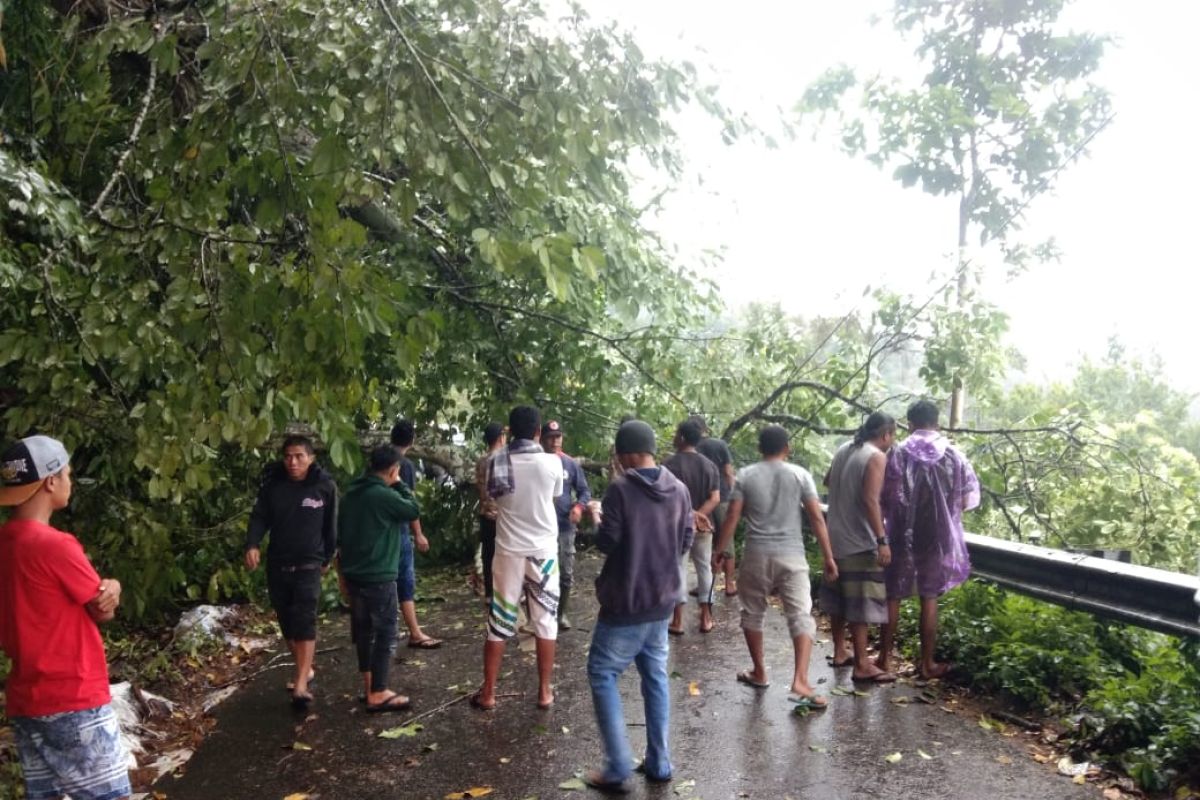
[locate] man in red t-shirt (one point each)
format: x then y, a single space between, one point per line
51 600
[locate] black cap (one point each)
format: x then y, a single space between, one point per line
635 436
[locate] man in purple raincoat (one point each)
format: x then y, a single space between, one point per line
926 487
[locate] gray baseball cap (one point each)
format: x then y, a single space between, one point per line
24 466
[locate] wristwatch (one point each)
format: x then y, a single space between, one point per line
882 541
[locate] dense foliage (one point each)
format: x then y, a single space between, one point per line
222 217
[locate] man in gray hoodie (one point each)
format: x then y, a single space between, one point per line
646 526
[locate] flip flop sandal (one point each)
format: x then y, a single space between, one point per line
597 782
675 631
845 662
746 678
808 701
301 702
883 677
476 703
641 770
396 702
428 643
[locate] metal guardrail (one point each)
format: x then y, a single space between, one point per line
1163 601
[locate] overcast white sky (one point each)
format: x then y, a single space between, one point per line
810 227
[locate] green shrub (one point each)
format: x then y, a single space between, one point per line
1129 695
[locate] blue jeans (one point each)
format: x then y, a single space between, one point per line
406 575
614 648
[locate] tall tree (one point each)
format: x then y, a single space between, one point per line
221 216
1005 103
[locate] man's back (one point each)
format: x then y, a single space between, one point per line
850 531
773 493
718 452
58 656
527 524
697 473
928 484
646 526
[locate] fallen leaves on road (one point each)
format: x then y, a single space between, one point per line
403 730
684 787
301 746
924 755
572 785
816 748
894 758
694 688
1005 760
297 796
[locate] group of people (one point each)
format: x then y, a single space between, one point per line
892 529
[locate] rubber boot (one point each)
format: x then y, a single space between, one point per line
564 599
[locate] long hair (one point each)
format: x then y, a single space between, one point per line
876 425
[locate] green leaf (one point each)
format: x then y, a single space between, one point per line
410 730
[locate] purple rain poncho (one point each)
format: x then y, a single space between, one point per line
927 486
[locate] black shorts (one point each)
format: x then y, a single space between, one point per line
295 596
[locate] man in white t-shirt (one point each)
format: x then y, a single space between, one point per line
523 480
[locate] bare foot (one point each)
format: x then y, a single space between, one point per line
706 622
934 670
802 689
882 662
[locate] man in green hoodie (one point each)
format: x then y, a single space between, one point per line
369 526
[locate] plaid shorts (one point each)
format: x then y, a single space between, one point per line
78 753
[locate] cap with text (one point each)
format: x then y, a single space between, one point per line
552 428
24 466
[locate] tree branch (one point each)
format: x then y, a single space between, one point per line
134 135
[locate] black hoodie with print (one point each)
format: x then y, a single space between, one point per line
300 515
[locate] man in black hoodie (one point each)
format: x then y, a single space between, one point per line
297 503
646 526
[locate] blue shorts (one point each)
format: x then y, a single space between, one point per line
79 753
406 579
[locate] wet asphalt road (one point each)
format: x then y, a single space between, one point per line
728 741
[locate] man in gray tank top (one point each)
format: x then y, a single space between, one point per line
858 596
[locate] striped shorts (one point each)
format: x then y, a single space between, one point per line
531 578
77 753
859 594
